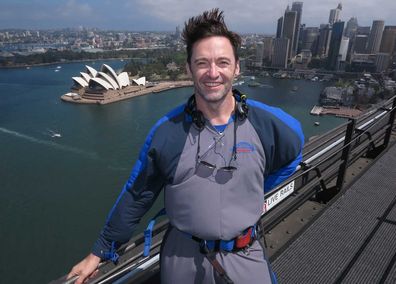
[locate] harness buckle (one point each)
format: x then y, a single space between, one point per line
203 247
246 239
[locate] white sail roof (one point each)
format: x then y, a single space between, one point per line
109 80
107 69
85 76
141 81
124 79
106 85
80 81
91 71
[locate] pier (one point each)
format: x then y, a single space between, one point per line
340 111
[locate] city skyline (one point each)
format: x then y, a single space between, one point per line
164 15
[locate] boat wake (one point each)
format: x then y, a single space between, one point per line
91 155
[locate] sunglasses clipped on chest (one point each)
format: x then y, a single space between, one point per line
205 169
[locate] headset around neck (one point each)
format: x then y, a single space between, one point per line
198 119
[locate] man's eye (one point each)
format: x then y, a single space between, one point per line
224 63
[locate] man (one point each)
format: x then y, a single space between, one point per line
213 157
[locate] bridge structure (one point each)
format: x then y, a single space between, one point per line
332 221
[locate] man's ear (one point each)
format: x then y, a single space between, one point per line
237 68
188 69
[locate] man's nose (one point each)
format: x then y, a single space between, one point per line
213 71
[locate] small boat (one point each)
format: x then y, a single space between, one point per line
317 123
58 67
254 84
294 89
56 70
56 135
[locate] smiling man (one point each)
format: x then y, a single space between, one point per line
214 157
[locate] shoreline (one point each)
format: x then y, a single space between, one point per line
22 66
112 96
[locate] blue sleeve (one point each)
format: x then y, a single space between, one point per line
282 139
136 198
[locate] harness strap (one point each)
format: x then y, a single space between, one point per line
240 242
148 233
218 267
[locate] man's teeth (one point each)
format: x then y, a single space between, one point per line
212 84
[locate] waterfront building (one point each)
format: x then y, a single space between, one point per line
334 48
302 59
382 61
335 14
323 41
297 7
259 54
363 63
281 51
388 42
375 37
360 43
93 83
310 36
289 29
268 48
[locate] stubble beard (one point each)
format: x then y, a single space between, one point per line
213 96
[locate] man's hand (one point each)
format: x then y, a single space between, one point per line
85 269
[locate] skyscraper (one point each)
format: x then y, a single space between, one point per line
289 28
310 38
281 51
375 37
360 43
259 53
335 14
268 48
388 40
297 7
279 28
324 40
351 27
334 48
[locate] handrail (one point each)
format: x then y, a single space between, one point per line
323 164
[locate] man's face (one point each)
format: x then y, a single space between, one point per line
213 68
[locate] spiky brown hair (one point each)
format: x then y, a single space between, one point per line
209 23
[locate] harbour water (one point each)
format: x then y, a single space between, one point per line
55 192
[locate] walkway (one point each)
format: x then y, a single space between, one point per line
354 240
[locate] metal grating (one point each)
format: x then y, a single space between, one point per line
354 240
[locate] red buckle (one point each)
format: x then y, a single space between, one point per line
244 240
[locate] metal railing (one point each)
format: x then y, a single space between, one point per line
326 159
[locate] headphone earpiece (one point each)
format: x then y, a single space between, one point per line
197 116
242 106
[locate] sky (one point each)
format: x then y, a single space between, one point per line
243 16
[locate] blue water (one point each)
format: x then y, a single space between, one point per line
55 193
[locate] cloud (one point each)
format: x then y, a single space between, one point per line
75 9
258 16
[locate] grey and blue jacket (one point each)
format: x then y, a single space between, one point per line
268 149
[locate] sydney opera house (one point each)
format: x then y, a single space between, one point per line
99 86
106 86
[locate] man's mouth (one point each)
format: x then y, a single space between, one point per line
212 84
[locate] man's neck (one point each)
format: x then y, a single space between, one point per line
217 113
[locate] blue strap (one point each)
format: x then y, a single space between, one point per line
148 233
112 254
225 245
